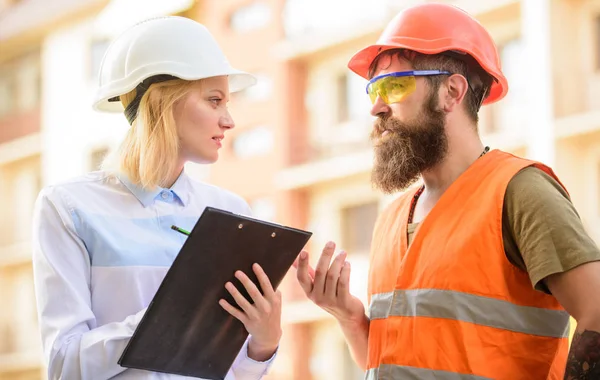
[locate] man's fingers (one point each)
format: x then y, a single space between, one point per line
323 267
303 256
303 273
333 274
343 287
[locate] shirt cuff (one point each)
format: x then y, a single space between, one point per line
250 366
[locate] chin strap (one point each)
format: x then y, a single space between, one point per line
132 108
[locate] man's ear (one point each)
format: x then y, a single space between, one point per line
455 90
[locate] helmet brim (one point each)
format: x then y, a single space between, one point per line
361 61
238 81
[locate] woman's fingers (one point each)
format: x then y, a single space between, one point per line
239 298
252 289
263 280
236 313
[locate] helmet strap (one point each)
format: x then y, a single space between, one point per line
480 94
473 67
132 108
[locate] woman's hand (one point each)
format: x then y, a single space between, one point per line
261 319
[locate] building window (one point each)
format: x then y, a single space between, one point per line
250 17
357 227
7 94
253 142
29 82
20 84
509 114
20 183
359 105
352 100
342 98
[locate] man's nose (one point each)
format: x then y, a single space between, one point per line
380 107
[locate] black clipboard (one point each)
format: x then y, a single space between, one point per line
184 330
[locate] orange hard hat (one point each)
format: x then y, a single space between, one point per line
435 28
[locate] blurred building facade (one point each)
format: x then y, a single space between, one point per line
300 151
29 55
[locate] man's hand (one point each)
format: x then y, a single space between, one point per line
577 292
329 286
261 319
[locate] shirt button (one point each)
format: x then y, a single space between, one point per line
164 195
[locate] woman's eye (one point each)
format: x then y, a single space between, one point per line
216 101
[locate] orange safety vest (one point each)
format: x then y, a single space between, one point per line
451 306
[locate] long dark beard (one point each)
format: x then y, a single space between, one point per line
408 149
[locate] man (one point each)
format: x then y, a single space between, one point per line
473 275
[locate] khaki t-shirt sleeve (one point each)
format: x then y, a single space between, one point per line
545 232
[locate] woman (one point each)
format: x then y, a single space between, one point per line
103 243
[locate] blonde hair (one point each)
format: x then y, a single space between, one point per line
148 154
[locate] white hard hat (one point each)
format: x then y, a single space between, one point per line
171 46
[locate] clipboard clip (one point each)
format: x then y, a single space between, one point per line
241 225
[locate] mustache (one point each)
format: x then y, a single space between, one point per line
379 126
387 123
384 123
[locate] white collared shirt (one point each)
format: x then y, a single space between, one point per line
101 248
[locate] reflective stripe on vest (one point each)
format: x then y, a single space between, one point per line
393 372
471 308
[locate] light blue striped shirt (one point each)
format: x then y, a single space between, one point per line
101 248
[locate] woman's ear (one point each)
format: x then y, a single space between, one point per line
456 87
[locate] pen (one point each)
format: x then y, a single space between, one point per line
180 230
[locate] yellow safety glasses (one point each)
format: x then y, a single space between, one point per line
393 87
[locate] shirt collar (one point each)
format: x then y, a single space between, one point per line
180 190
